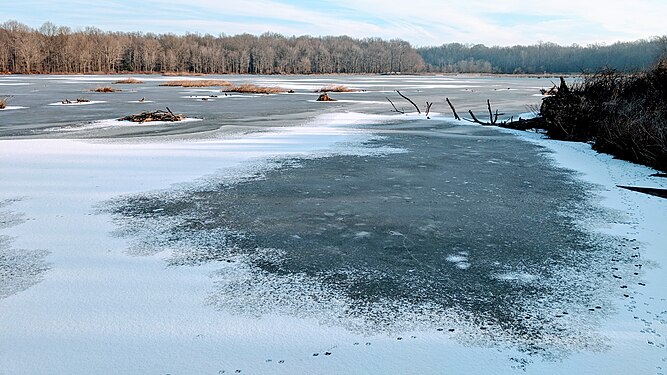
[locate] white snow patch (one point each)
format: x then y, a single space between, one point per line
12 107
362 234
75 104
113 123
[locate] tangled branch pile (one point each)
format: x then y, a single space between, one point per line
623 115
151 116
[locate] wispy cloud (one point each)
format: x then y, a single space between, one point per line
422 22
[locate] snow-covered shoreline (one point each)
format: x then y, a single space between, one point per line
636 333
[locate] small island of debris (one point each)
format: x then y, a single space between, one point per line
157 115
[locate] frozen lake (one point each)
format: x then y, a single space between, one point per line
276 234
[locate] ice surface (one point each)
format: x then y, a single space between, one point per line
168 284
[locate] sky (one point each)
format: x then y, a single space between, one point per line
420 22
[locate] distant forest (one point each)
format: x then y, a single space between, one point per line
545 57
59 49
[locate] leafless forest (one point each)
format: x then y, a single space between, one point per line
53 49
59 49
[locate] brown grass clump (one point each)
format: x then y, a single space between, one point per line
254 89
182 74
3 103
129 81
105 89
196 83
339 88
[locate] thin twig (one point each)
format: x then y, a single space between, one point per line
488 105
392 104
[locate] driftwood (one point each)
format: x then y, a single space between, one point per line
392 104
324 97
456 115
428 108
493 118
156 115
411 102
662 193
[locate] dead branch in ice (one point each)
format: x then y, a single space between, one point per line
392 104
411 102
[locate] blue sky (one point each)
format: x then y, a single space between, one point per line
421 22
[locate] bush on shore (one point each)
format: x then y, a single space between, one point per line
621 114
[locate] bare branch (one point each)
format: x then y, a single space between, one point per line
474 118
488 105
392 104
456 115
428 108
411 102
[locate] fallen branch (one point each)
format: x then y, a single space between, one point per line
428 108
411 102
493 119
392 104
474 118
658 192
456 115
488 105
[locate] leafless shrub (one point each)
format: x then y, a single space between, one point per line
621 114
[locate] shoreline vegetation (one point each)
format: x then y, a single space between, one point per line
52 49
621 114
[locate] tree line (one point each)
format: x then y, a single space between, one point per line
545 57
59 49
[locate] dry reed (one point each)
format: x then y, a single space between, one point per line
254 89
129 81
196 83
105 89
339 88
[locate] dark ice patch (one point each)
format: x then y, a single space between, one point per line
19 268
476 230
